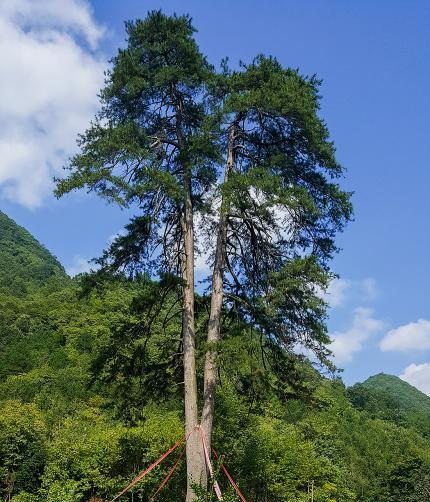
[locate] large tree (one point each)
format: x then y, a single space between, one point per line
245 154
150 148
279 210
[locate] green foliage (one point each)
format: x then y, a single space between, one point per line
282 203
22 446
390 398
160 144
83 421
24 263
402 394
151 142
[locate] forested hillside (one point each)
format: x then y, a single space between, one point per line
91 392
24 263
390 398
404 396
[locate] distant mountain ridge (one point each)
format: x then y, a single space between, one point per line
25 264
407 396
391 398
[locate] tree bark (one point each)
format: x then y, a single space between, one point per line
213 336
196 467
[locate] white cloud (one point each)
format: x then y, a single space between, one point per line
201 265
341 291
48 91
202 258
80 265
346 343
112 238
369 289
73 16
418 375
335 294
409 337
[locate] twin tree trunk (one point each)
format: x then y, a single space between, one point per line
196 465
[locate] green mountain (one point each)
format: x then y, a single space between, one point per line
24 263
405 395
390 398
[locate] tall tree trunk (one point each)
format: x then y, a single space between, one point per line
213 336
196 467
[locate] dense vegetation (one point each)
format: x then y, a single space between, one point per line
90 394
388 397
24 263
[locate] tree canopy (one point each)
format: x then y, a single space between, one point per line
244 150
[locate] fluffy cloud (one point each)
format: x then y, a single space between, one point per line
409 337
341 291
418 375
346 343
48 93
335 294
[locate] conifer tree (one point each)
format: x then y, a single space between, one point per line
280 209
244 151
150 148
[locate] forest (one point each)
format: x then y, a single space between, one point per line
101 373
88 399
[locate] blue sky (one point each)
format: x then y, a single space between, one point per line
374 60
